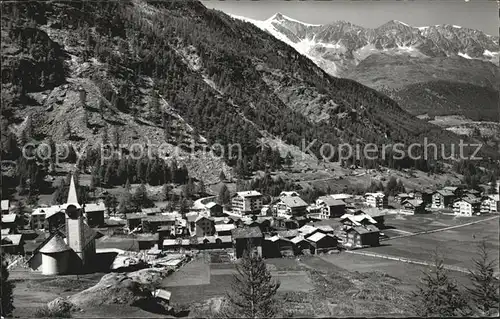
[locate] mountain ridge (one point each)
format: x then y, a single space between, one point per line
339 46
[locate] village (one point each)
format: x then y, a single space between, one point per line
284 227
85 238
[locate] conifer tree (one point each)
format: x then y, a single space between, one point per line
253 289
484 291
224 195
438 295
6 287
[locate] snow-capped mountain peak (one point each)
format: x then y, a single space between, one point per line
339 46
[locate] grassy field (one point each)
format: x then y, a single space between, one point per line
458 246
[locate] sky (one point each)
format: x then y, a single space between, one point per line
477 14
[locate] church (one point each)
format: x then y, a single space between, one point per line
71 248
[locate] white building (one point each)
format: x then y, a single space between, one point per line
248 202
378 200
490 204
466 207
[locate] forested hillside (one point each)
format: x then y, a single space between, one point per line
449 98
175 71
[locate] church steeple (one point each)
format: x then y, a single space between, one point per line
72 197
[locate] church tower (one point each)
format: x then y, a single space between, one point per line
74 222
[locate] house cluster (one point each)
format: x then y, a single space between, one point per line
465 202
461 201
280 228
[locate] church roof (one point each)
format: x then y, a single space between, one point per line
56 244
72 197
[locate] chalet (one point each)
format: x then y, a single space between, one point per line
413 206
331 208
467 207
316 212
490 204
224 229
37 219
307 230
5 205
378 200
291 206
204 226
95 214
403 197
152 223
457 191
210 242
282 223
9 221
244 238
357 220
361 236
134 220
376 214
301 246
54 220
266 210
12 244
322 242
147 241
248 202
214 210
442 199
262 222
425 196
325 229
276 246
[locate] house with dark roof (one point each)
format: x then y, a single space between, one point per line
12 244
301 246
134 220
413 206
275 247
9 221
321 242
424 195
95 214
245 238
214 210
330 207
360 236
443 198
205 226
152 223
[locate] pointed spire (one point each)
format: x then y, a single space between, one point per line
72 197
